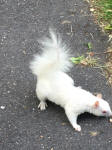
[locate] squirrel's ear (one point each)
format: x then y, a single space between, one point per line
96 104
99 95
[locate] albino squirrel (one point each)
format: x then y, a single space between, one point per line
55 85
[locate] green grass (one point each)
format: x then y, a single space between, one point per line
89 46
92 59
103 9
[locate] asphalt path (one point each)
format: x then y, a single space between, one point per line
22 125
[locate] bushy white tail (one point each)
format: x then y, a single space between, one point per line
55 57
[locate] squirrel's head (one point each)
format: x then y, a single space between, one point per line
101 107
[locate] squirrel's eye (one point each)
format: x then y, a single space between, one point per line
104 112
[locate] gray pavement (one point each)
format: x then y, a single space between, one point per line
22 125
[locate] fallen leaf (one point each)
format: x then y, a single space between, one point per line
91 53
94 133
41 136
66 22
63 124
84 62
77 60
68 33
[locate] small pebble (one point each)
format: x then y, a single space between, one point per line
2 107
24 52
111 120
33 109
92 9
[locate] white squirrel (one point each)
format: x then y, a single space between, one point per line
54 84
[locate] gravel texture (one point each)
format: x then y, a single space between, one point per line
22 125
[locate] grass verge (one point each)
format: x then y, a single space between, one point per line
91 59
102 10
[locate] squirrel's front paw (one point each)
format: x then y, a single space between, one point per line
42 105
77 128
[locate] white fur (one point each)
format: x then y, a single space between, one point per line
54 84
